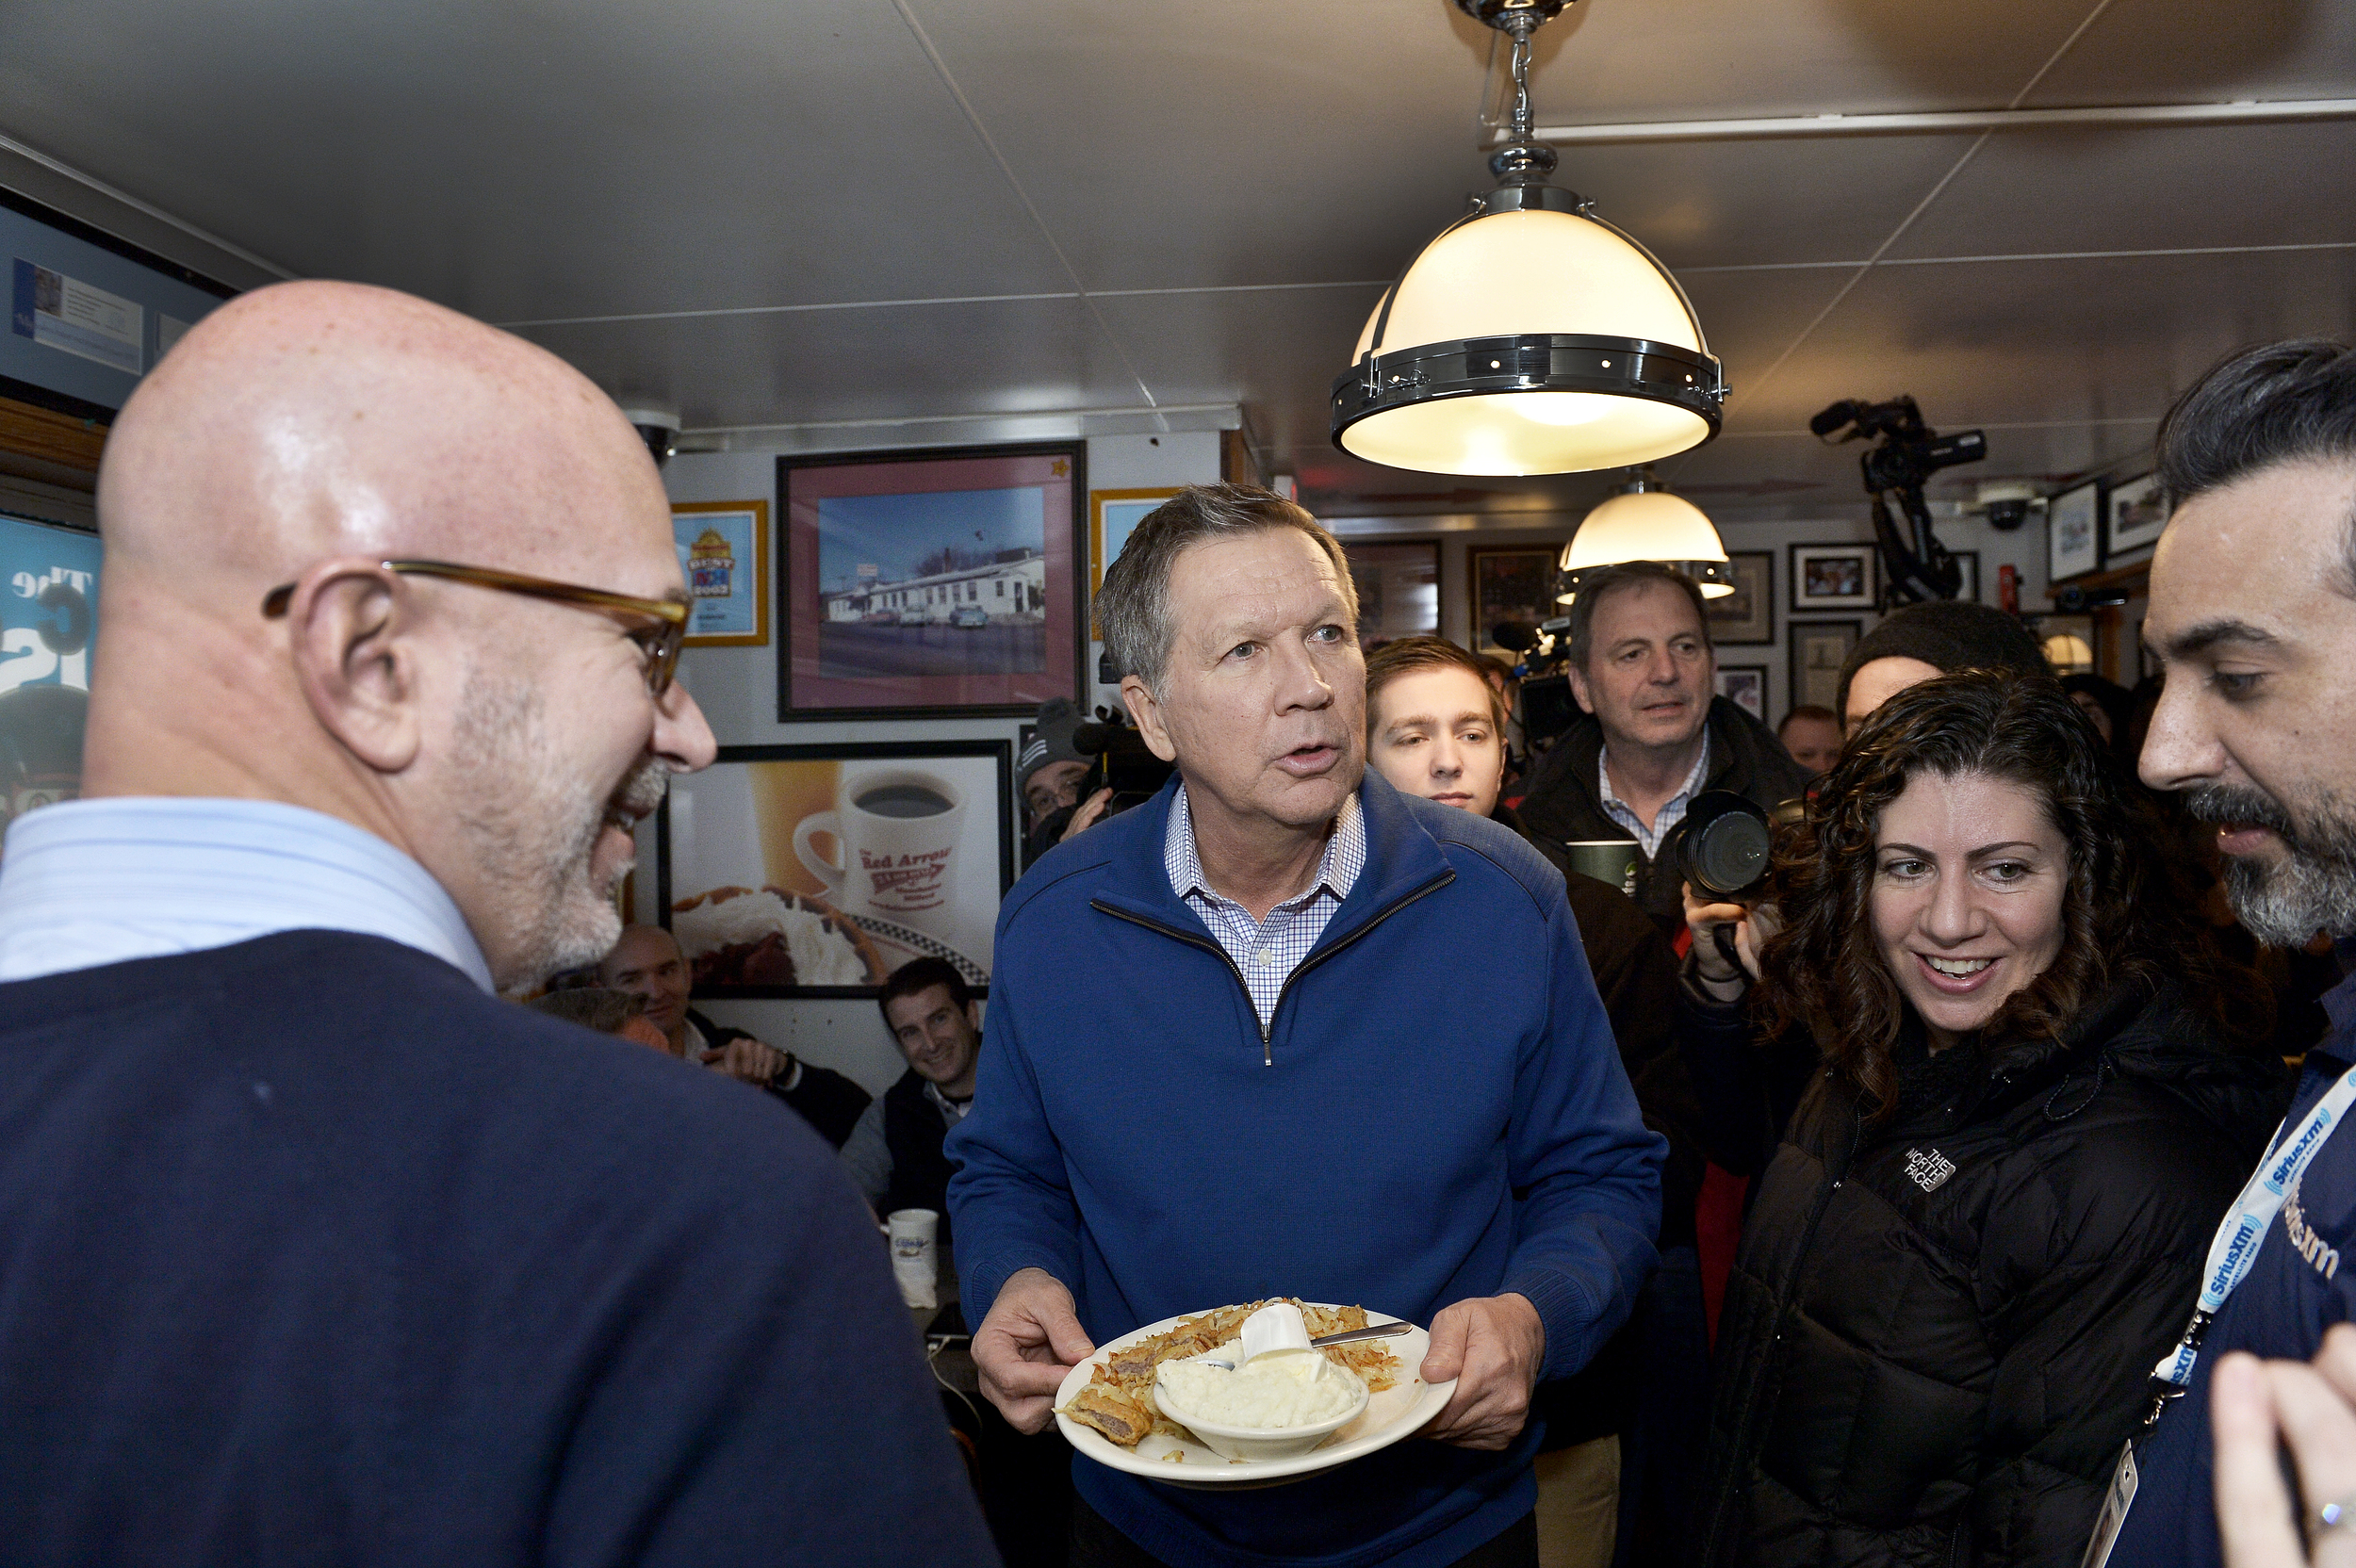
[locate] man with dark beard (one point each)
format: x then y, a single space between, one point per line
311 1249
2253 615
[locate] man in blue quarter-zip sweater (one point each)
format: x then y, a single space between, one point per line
1354 1055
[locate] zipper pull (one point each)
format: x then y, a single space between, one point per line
1267 1048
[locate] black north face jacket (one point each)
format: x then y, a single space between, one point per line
1939 1330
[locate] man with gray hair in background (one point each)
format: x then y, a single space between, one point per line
1295 1071
312 1249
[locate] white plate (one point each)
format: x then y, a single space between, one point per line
1401 1411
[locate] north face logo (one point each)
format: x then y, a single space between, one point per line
1928 1170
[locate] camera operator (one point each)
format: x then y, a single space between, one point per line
1653 737
1049 774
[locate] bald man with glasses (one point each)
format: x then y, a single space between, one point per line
313 1249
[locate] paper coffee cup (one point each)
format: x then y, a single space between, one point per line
1613 860
915 1255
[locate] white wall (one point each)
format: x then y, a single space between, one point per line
737 691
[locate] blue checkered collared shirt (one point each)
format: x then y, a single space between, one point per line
1672 811
1266 952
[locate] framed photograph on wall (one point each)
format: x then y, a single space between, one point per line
932 584
1967 563
2133 515
1745 686
1819 648
2073 531
723 553
1113 516
1747 614
1511 585
815 871
1399 590
1831 576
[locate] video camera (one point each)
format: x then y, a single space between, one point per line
1124 765
1548 706
1909 452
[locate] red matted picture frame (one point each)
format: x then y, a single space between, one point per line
942 583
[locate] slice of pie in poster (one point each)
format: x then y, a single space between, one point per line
744 936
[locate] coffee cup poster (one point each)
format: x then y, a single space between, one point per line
932 585
722 552
817 871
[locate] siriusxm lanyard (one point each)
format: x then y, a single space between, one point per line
2246 1225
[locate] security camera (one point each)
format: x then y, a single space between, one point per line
658 427
2008 502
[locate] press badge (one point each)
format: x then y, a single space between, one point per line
2113 1515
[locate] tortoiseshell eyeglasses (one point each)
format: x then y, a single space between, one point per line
659 644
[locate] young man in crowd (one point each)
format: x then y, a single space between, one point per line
312 1249
1620 1436
2253 616
1811 733
895 1152
648 964
1267 942
1653 737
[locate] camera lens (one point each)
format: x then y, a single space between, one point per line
1723 845
1728 855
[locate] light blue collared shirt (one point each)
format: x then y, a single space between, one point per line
1267 953
90 882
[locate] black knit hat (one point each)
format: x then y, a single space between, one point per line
1051 741
1951 635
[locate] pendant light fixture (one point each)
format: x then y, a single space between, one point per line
1643 522
1530 336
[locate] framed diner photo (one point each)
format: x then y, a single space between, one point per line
1745 686
1819 648
2133 515
1399 590
1747 615
1832 576
1113 516
723 553
815 871
1511 585
2073 531
946 583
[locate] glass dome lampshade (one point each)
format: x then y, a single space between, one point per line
1643 522
1530 336
2069 653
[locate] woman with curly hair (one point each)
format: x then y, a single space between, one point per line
1986 1219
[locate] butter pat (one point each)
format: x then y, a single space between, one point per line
1287 1388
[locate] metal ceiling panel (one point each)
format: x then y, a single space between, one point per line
2225 185
529 160
2102 343
800 366
1611 60
2191 51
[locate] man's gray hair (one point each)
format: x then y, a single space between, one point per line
1132 605
591 1006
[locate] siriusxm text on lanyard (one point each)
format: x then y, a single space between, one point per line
2252 1215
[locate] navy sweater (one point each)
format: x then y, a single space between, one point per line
310 1252
1436 1112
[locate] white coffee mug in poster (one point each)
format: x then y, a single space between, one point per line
893 834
